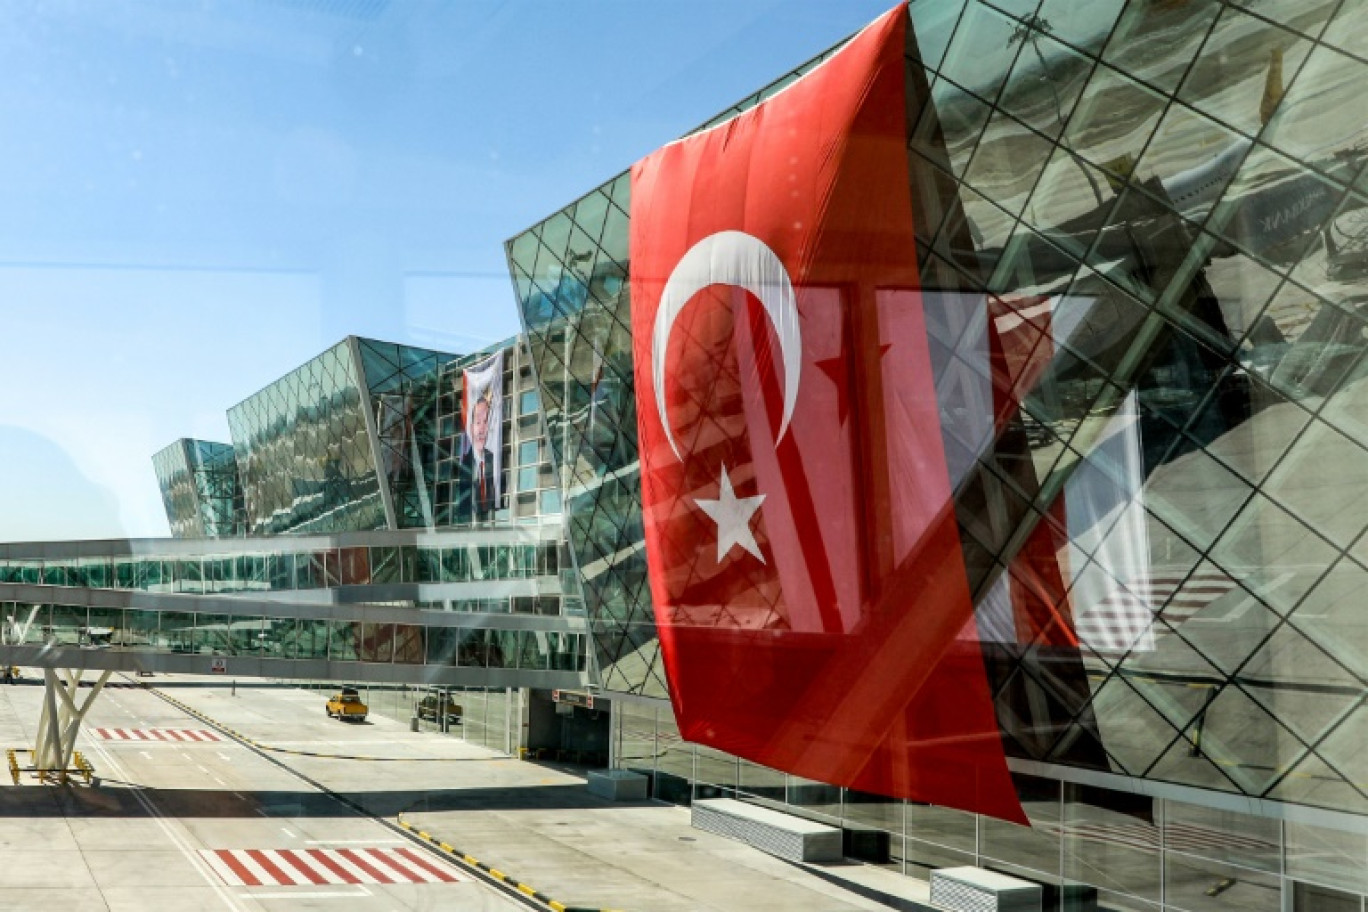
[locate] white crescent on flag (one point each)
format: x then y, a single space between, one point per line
742 260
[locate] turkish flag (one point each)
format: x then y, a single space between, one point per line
805 566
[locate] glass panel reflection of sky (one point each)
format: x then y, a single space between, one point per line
200 197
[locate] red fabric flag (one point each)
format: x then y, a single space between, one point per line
805 565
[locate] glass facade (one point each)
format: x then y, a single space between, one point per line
200 490
570 273
304 451
368 435
1141 236
1150 225
292 569
402 383
419 641
530 486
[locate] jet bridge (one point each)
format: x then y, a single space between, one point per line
446 609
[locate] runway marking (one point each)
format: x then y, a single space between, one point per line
315 867
168 735
351 895
1179 836
174 831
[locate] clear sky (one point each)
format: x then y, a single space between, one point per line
195 197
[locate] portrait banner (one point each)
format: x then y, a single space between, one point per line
480 470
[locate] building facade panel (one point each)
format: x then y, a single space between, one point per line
304 451
1141 235
402 383
200 489
530 490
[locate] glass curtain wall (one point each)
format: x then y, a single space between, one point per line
570 273
402 383
1143 237
1137 236
200 489
225 634
1093 848
304 451
531 487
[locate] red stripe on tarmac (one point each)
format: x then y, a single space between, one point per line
444 873
142 735
103 733
301 867
361 863
241 870
192 736
381 856
120 732
209 736
175 736
322 858
270 867
158 734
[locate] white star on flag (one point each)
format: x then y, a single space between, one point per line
733 517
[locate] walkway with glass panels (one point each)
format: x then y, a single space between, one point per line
480 608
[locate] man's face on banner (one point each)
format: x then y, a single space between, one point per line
479 427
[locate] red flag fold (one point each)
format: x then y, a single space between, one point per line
805 565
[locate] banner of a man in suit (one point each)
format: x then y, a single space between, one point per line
480 473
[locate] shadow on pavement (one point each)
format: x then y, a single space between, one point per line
117 799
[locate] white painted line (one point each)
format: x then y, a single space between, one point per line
288 833
323 871
303 895
177 838
261 874
346 865
297 877
408 868
220 868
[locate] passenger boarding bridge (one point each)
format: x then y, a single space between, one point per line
475 608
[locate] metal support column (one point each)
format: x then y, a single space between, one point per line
61 718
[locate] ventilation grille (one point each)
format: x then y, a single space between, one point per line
974 890
817 844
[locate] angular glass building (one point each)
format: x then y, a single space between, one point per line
200 488
1140 231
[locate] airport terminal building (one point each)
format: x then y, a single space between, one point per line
962 441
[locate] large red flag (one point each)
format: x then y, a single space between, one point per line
806 569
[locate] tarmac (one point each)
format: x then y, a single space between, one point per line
283 776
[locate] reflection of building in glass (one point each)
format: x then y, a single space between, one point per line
1142 243
305 453
314 441
200 489
367 436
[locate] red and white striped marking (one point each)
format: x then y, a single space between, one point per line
1125 617
182 735
1181 837
315 867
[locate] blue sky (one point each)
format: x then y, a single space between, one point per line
198 196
